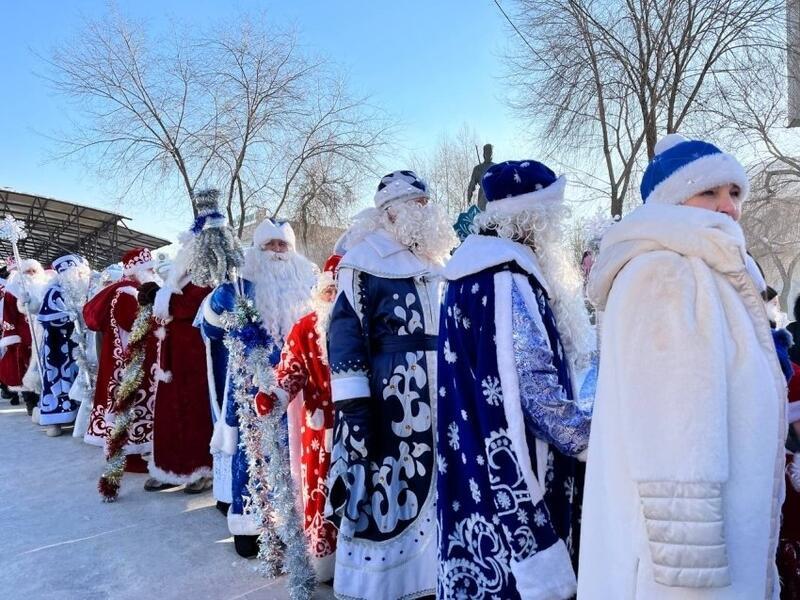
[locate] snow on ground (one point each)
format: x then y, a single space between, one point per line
58 541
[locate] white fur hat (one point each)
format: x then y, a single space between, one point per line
274 230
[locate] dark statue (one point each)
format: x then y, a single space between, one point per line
477 174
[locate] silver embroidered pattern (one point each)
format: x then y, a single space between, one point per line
550 414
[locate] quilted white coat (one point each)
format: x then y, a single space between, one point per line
685 470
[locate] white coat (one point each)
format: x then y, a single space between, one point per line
684 478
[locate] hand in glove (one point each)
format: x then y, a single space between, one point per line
147 293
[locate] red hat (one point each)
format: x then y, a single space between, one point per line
138 259
332 264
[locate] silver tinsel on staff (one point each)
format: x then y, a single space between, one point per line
272 493
216 251
76 294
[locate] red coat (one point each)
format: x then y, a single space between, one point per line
16 340
305 375
112 312
182 423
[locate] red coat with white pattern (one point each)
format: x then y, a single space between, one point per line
112 312
16 340
305 375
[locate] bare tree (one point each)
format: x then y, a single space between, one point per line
243 108
602 80
448 168
770 221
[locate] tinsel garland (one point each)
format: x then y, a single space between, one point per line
75 297
132 378
282 544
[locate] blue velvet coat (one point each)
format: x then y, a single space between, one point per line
59 368
508 427
222 300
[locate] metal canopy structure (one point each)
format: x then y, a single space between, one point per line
55 228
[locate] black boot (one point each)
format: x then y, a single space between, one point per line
223 507
31 400
246 545
14 399
5 393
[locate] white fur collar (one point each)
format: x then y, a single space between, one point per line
381 255
713 237
479 252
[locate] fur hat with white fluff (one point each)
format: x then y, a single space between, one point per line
274 230
683 168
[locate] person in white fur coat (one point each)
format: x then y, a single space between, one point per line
685 469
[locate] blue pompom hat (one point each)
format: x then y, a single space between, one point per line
682 168
516 185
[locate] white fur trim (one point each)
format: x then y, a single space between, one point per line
793 412
9 340
210 316
212 384
225 438
161 302
698 176
553 193
223 485
242 524
509 382
170 477
381 255
349 387
162 375
480 252
547 575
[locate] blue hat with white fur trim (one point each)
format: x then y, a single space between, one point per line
516 185
682 168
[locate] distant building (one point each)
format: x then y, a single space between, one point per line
314 241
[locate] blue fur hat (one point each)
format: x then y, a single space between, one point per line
682 168
516 185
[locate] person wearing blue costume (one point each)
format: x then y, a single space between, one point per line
382 354
57 316
279 281
514 343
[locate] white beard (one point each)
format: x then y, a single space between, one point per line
74 283
425 230
36 285
282 284
323 309
146 277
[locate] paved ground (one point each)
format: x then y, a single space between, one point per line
58 541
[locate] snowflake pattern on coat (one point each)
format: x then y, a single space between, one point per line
486 513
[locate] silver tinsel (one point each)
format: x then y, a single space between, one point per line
216 250
282 544
75 297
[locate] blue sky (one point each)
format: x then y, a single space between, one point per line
433 64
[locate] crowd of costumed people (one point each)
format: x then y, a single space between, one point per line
431 415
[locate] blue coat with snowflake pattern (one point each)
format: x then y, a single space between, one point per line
507 428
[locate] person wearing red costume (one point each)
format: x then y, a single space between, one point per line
182 421
304 380
112 313
16 341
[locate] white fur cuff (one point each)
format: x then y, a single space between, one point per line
547 575
348 388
